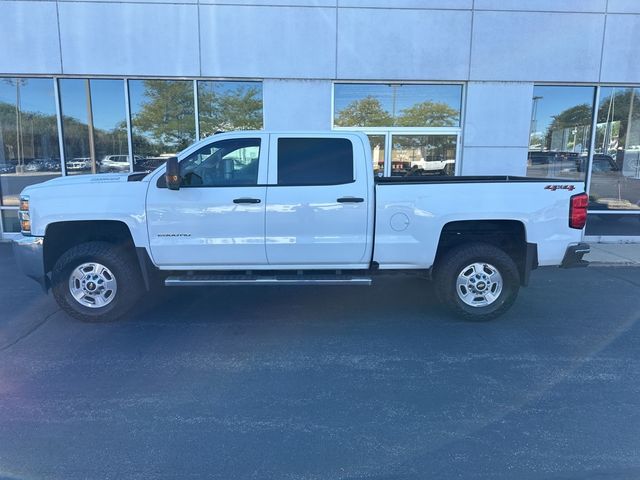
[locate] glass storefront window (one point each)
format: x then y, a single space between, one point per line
377 153
94 125
560 132
10 221
396 105
225 106
420 155
162 120
615 174
29 151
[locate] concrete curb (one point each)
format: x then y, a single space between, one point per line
614 264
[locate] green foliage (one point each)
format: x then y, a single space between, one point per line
428 114
576 116
39 137
238 109
366 112
166 117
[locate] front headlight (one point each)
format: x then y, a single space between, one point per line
23 215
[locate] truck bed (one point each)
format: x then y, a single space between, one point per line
410 213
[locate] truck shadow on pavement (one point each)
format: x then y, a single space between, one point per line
407 298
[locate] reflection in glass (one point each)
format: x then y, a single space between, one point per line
560 131
225 106
10 222
419 155
94 126
396 105
615 175
377 153
162 120
29 151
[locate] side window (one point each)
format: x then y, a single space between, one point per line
232 162
315 161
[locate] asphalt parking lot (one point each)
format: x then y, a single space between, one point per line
325 383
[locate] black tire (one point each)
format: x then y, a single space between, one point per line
451 266
120 263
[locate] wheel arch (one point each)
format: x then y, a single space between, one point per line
61 236
508 235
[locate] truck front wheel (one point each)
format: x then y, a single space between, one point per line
477 281
96 281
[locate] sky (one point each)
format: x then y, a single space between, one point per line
555 99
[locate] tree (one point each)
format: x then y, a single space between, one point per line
428 114
576 116
366 112
614 110
238 109
167 114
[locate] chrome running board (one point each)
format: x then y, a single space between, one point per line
228 280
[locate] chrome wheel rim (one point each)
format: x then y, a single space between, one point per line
479 284
93 285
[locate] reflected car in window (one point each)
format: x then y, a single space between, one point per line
77 164
115 163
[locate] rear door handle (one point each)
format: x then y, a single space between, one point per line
246 200
350 200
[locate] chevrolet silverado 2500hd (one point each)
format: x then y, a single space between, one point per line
270 208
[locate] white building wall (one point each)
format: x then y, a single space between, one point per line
496 128
268 42
396 44
99 38
30 37
297 104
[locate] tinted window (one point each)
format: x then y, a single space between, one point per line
223 163
314 161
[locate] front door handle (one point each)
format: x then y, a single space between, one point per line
246 200
350 200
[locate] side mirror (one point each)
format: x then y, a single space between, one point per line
172 174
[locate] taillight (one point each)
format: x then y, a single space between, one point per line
578 211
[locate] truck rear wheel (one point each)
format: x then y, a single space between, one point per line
477 282
96 282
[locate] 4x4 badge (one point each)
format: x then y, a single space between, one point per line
553 188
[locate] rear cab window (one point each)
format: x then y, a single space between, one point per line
315 161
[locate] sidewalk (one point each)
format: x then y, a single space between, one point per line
614 254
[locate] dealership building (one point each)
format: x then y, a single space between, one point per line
442 87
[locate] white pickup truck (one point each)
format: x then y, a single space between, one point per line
272 208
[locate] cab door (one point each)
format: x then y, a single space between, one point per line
217 217
319 202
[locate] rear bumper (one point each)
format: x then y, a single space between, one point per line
573 256
29 254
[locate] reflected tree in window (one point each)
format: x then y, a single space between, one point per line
163 121
225 106
366 112
29 150
571 127
560 131
428 114
615 179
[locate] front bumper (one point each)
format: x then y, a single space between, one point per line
573 256
29 254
